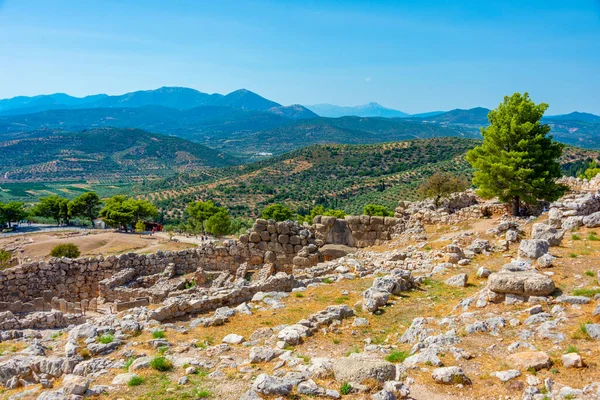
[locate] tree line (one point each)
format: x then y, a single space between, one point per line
118 211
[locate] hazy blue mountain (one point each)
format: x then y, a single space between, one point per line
473 116
427 114
295 111
575 116
365 110
245 100
173 97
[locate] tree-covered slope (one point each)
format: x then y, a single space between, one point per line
102 153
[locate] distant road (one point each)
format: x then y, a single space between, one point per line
40 228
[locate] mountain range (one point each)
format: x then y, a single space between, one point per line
249 126
173 97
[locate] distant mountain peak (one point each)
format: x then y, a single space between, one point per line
371 109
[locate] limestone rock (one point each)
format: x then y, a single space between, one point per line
533 248
271 385
530 359
450 376
357 369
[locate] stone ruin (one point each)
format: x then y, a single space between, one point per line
184 282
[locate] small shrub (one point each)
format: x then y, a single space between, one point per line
201 394
327 280
345 388
5 257
135 381
128 364
85 353
161 364
554 371
158 334
190 284
336 341
592 237
396 356
575 237
56 335
69 250
106 339
341 300
304 358
162 349
572 255
586 292
589 273
299 295
572 349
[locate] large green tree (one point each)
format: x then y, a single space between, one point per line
13 211
518 160
54 207
218 224
87 205
199 212
121 211
277 211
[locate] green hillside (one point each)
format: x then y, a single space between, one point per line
102 154
334 175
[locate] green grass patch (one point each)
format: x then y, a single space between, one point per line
586 292
396 356
299 295
328 280
345 389
106 339
572 349
161 364
158 334
590 273
128 364
135 381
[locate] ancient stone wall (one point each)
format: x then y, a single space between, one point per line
354 230
77 279
131 276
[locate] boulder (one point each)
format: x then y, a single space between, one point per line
483 272
527 283
546 232
357 369
74 384
506 376
450 376
592 220
593 330
572 360
123 379
459 280
233 338
262 354
533 248
530 360
270 385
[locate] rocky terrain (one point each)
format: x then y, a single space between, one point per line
458 301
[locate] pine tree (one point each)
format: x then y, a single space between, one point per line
518 160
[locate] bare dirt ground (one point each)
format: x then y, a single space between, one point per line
91 243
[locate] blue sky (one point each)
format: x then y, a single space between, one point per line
413 56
